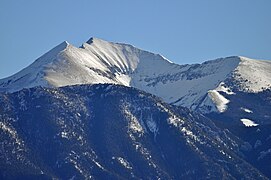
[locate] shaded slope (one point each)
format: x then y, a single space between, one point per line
107 131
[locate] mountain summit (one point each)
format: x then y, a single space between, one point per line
196 86
96 61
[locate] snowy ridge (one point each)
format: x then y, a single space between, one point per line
189 84
32 75
253 75
99 61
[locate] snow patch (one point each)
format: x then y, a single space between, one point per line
219 100
133 123
248 122
12 132
246 110
98 164
123 162
177 122
64 135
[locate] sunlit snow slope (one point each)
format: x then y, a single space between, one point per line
99 61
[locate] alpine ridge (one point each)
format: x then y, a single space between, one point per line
196 86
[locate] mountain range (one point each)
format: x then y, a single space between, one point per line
111 110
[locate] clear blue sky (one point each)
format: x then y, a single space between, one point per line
184 31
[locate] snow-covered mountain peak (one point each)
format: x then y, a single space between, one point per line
96 61
99 61
50 55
